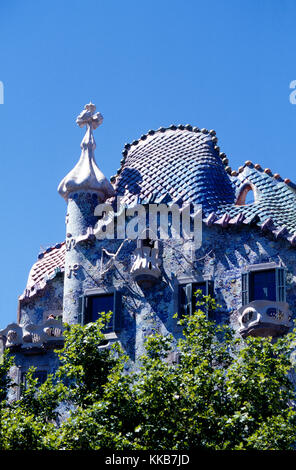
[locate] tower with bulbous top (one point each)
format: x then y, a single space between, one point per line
83 188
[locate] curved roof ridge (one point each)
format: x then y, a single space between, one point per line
172 127
267 171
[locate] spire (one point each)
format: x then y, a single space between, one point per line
86 176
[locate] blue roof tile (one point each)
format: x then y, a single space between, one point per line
184 162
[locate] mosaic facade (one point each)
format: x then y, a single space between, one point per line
246 260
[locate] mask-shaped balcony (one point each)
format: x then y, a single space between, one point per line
264 318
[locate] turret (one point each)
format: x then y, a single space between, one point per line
84 187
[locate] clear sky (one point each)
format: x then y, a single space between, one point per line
223 65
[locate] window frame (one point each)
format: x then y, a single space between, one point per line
280 281
97 292
23 375
188 282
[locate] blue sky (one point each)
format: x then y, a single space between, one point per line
223 65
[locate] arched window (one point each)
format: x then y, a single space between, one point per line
246 195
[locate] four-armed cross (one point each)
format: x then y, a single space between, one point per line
88 117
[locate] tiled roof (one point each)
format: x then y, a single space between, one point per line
276 198
182 161
49 263
184 164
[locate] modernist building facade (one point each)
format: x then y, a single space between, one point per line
247 258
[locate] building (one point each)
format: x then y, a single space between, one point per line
247 258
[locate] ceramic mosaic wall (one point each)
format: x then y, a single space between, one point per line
180 164
47 301
223 256
43 362
79 258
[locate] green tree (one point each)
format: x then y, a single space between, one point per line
6 363
224 393
84 364
27 423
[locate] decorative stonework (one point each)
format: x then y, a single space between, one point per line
70 243
86 176
264 318
50 331
13 334
89 117
145 269
72 270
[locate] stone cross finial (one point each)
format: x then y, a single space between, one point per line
88 117
86 176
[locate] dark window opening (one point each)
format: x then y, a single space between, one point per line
188 296
269 284
41 375
148 242
94 306
101 304
262 285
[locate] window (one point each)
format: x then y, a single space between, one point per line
264 284
148 242
41 375
188 298
247 195
92 305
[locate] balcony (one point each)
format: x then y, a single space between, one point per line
33 339
264 318
145 269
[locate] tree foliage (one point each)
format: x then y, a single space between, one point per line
224 393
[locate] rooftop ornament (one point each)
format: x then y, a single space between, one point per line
86 176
